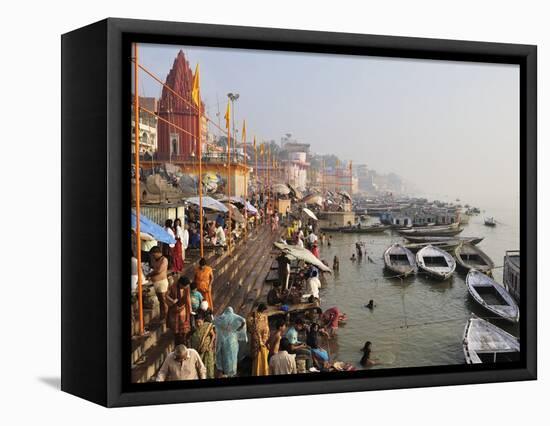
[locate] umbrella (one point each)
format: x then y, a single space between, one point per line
147 226
345 194
236 215
280 188
313 199
302 254
208 203
309 213
239 200
251 209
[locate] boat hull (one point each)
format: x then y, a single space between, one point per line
491 296
405 266
435 262
470 257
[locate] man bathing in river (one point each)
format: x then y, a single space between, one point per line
336 264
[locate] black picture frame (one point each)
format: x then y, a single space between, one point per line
95 176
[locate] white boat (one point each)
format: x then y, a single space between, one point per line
490 221
435 262
399 260
469 257
485 343
492 296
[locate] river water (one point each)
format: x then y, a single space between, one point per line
418 321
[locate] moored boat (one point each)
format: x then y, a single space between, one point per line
431 239
492 296
435 262
399 260
433 231
490 221
469 257
485 343
364 229
449 246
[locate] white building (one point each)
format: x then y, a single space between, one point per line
148 141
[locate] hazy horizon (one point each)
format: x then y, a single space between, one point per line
449 128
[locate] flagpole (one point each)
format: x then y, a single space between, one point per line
229 177
245 181
138 191
268 175
256 162
200 172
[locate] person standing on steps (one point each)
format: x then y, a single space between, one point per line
182 364
178 299
204 276
159 277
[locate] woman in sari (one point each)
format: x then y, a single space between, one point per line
203 341
230 329
331 319
177 250
259 335
179 310
203 278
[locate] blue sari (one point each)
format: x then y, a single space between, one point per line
228 336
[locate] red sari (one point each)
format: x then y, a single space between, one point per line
179 313
177 257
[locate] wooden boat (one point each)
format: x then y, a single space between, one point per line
485 343
431 231
448 246
364 229
492 296
469 257
428 239
435 262
399 260
490 221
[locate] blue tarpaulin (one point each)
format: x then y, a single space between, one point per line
156 231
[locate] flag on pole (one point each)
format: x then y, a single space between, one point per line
254 143
227 116
262 149
244 131
196 85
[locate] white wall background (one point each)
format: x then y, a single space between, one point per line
30 111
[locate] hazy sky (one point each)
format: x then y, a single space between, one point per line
451 128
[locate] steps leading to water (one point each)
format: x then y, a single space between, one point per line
238 282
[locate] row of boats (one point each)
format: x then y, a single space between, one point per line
440 264
437 252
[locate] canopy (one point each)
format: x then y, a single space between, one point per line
239 200
309 213
147 226
313 199
280 188
236 215
302 254
208 203
250 208
345 194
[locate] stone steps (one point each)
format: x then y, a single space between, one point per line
141 344
238 273
244 266
153 360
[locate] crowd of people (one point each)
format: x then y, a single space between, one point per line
208 346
